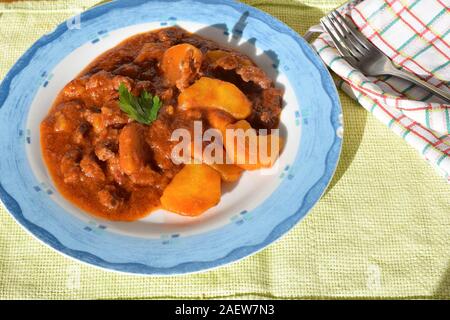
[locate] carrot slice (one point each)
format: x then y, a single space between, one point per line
180 64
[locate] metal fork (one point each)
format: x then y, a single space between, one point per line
363 55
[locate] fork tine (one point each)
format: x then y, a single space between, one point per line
342 50
350 37
355 32
346 39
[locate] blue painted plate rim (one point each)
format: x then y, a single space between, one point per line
315 192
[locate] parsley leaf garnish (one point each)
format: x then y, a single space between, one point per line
144 109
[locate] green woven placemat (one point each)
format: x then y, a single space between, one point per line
381 230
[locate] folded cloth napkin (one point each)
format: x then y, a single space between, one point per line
415 35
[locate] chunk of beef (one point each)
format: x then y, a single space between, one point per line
150 52
113 116
244 67
158 138
171 35
133 150
267 109
92 169
109 134
106 149
102 87
151 73
115 172
75 89
67 116
254 74
128 70
70 166
203 44
110 115
166 95
141 86
81 133
112 59
227 61
110 197
145 177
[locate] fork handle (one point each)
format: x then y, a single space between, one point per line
407 76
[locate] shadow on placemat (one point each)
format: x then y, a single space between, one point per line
355 118
295 14
443 289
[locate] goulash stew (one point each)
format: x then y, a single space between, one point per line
107 139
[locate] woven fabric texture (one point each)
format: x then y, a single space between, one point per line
396 27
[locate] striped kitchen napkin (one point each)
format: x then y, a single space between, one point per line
415 35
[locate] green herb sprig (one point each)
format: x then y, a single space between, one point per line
144 109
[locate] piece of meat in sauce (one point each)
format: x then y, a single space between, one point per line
103 86
133 151
171 35
70 166
106 149
267 109
111 197
80 136
129 70
244 67
92 169
146 177
141 86
112 59
67 116
109 115
158 138
116 173
151 52
75 89
135 155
